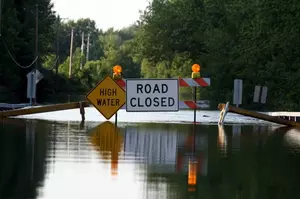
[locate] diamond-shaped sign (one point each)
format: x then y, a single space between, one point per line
107 97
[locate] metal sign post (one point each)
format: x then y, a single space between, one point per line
238 92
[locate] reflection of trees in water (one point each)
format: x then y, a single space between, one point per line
69 141
259 166
22 167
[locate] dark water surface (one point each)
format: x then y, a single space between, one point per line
65 160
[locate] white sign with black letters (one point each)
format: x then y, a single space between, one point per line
152 95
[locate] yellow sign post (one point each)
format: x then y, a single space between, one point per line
107 97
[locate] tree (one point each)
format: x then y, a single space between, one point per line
230 39
18 40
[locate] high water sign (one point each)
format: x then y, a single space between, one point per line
107 97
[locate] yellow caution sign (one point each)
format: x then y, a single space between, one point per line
107 97
107 140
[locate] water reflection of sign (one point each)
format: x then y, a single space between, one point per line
108 141
156 145
236 135
185 154
166 150
236 130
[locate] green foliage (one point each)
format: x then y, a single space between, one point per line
252 40
256 41
106 49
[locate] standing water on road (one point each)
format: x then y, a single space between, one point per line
50 160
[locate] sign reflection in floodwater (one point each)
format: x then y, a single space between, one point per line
59 160
166 150
86 164
109 142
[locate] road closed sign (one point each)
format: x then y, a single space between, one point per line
152 95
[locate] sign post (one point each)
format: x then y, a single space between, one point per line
260 94
256 95
195 74
31 86
117 75
107 97
39 76
263 97
238 92
152 95
33 78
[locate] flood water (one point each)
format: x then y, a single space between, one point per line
52 160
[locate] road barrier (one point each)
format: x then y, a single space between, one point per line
183 82
227 108
44 109
144 95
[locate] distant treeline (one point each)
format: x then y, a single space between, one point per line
257 41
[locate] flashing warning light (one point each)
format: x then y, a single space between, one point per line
117 69
196 71
196 68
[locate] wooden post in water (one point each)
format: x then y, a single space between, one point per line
116 119
257 115
195 101
82 112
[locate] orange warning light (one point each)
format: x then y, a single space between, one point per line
117 69
192 173
196 68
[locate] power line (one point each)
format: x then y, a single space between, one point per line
36 35
12 57
54 65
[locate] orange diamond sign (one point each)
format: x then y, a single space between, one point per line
107 97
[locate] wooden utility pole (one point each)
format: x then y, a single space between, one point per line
36 47
0 17
36 35
71 52
57 44
82 48
88 48
57 52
